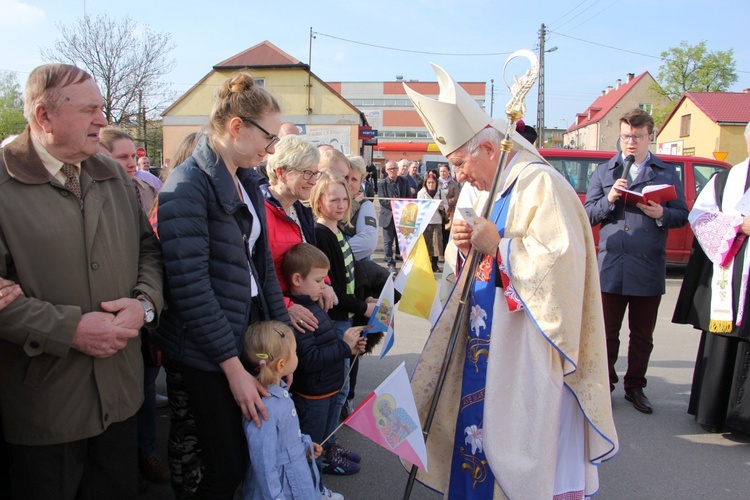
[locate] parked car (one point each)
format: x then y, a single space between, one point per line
578 165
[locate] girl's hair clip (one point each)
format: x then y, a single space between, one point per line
281 334
264 357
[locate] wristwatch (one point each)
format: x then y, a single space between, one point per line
148 312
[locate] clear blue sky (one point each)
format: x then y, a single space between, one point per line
598 41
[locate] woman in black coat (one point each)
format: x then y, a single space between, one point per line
220 275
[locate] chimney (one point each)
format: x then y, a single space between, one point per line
603 92
618 83
629 77
746 91
608 89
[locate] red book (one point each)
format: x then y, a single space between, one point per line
660 193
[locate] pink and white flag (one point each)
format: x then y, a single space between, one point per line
388 416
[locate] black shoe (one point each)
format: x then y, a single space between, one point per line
639 400
153 470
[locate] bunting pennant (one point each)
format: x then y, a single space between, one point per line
411 218
417 285
382 319
388 416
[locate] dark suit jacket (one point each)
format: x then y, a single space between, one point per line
390 189
632 245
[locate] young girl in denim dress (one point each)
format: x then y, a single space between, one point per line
279 452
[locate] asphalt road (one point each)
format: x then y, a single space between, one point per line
662 455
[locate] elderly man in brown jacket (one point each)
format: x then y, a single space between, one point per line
72 235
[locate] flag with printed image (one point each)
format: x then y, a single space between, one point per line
388 416
416 281
383 317
417 284
411 218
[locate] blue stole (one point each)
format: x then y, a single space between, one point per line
471 477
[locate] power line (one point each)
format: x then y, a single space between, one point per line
592 17
410 51
606 46
563 16
574 17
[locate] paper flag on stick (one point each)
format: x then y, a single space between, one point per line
417 284
382 319
411 218
388 416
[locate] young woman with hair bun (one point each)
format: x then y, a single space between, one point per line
220 275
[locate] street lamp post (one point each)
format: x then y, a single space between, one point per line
540 95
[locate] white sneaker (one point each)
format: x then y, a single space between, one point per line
330 495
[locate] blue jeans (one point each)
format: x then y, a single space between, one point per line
339 399
314 416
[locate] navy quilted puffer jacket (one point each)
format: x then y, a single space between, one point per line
203 225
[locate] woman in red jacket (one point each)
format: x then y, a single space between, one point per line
292 173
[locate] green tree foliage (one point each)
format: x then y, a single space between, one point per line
692 68
11 105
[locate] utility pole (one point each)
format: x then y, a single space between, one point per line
540 94
492 95
309 74
142 121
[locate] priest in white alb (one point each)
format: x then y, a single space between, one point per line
525 412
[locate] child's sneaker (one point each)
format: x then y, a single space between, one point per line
347 454
330 495
335 463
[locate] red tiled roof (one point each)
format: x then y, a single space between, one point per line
720 107
723 107
263 54
603 104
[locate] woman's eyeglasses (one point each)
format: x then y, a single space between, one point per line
310 175
271 137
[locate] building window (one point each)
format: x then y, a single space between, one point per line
260 82
645 107
685 126
383 103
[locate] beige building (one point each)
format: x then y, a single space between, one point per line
401 132
598 128
707 124
318 110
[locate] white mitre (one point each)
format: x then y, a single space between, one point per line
455 117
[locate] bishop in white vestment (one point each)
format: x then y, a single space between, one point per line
525 411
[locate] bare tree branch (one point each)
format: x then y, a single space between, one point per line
128 62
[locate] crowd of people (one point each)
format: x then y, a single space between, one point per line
246 272
190 271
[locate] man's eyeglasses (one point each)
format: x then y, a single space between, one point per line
271 137
309 174
392 169
633 138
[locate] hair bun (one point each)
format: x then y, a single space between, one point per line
241 83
